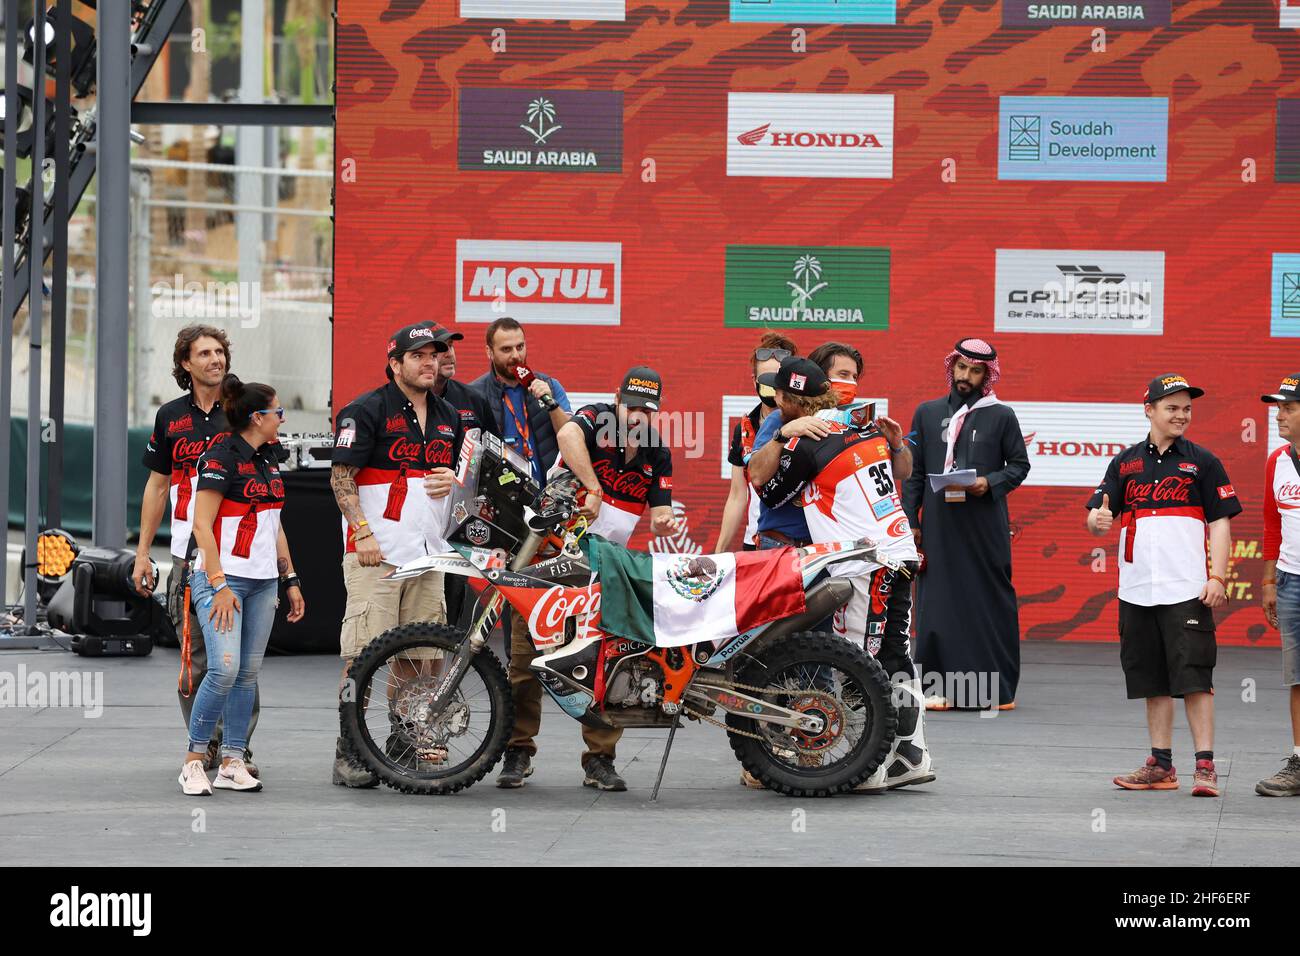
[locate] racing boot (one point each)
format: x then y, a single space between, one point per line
908 763
575 664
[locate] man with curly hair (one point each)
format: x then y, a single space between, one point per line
183 430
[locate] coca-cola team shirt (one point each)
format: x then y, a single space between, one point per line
628 486
380 435
1163 503
182 432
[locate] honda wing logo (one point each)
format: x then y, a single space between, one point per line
755 136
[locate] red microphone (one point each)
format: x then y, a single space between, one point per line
526 379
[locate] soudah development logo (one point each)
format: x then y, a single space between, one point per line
841 287
1105 138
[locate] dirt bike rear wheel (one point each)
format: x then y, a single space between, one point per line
387 730
851 691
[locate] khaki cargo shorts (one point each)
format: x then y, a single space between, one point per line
376 604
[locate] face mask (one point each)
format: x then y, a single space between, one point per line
845 392
766 395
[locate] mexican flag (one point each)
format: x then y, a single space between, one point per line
670 600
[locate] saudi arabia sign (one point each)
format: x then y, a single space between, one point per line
822 287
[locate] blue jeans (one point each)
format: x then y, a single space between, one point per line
1288 622
234 660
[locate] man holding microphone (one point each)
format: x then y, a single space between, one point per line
1168 493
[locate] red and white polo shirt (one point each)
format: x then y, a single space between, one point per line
248 519
1282 510
1164 502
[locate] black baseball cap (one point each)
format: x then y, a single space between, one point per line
1288 391
1163 385
642 388
412 337
798 375
443 334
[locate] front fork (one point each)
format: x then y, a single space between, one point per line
480 630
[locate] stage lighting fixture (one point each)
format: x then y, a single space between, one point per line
55 552
81 59
100 607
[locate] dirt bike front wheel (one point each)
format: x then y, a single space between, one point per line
824 676
390 728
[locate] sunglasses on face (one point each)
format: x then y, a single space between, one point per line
268 411
762 355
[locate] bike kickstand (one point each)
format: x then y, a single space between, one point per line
672 732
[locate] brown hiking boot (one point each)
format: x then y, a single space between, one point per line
1284 783
1150 776
1205 783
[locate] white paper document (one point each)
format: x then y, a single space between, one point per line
953 479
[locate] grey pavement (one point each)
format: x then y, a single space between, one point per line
1030 786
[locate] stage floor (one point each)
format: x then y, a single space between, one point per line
1031 786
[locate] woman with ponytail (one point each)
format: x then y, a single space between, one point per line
241 551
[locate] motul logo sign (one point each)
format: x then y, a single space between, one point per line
570 282
810 134
1070 444
538 282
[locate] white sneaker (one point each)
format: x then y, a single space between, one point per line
194 780
235 776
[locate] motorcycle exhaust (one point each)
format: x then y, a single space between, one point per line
822 600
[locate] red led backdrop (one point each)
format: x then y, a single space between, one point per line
635 210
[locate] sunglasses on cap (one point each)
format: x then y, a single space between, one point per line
267 411
762 355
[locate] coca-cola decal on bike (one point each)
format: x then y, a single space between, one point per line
558 604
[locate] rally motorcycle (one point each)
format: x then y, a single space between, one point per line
427 707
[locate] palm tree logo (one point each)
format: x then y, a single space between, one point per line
807 269
540 112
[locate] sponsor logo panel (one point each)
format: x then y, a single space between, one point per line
1287 168
1104 138
1289 14
1022 13
1075 290
1070 444
544 9
575 283
1285 318
549 131
814 11
823 287
846 135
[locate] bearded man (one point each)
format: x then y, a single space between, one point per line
968 627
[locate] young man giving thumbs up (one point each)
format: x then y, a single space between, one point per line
1168 493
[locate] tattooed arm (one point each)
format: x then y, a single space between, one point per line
343 481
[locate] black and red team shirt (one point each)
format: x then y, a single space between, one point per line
628 486
1164 503
742 446
379 434
475 412
248 519
182 432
